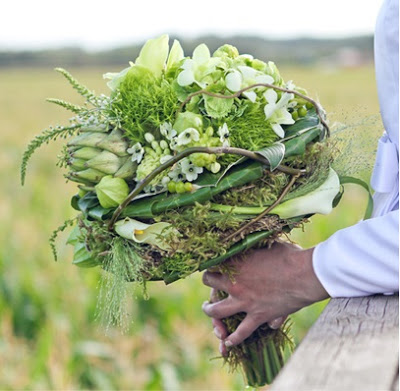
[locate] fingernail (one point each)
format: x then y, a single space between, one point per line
228 344
217 333
275 324
221 349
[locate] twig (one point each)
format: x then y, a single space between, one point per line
266 211
216 150
318 108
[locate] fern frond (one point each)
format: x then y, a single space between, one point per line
46 136
67 105
80 88
54 235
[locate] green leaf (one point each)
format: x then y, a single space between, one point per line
297 145
274 154
311 120
356 181
82 257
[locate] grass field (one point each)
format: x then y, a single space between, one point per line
49 336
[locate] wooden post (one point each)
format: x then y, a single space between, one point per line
353 346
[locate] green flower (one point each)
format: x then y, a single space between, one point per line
111 191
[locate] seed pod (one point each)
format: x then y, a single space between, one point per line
87 139
115 143
127 170
88 175
106 162
95 128
85 153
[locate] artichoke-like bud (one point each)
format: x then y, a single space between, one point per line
111 191
226 51
97 152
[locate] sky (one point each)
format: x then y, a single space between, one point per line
96 25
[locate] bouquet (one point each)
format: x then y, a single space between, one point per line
188 162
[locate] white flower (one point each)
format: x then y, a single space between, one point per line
190 170
167 131
277 111
195 69
245 77
176 174
137 152
165 181
187 136
223 133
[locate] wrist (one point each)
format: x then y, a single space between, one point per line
307 286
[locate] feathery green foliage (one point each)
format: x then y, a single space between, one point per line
56 232
47 135
67 105
76 85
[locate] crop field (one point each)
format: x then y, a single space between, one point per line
50 338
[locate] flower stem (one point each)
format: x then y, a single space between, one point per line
210 150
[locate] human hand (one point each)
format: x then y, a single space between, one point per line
268 285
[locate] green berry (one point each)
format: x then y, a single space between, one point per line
309 105
188 187
295 115
171 186
302 111
180 188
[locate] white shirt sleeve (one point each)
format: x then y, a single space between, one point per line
363 259
360 260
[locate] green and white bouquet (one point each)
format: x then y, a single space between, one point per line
188 162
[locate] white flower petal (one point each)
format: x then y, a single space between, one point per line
233 81
271 96
269 109
264 79
251 95
186 78
286 118
278 130
248 72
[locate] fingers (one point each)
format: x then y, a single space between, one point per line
276 323
219 328
222 309
244 330
216 280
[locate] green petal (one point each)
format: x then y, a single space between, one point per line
154 54
175 55
201 54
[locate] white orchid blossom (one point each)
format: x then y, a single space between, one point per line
137 152
197 68
276 111
167 130
190 170
154 234
244 77
187 136
223 133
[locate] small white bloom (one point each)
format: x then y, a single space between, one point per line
167 131
223 133
176 174
190 170
276 111
165 158
165 181
137 152
187 136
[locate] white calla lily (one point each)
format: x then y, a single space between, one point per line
145 233
318 201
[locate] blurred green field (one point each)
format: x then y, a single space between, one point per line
49 336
